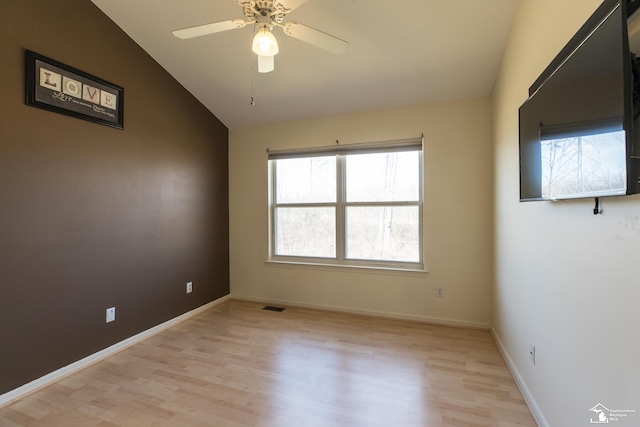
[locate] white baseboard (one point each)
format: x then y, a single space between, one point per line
372 313
528 397
35 385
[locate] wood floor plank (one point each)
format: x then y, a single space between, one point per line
238 365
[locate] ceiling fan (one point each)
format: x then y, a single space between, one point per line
266 14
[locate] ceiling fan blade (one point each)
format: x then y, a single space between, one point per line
315 37
216 27
265 64
289 5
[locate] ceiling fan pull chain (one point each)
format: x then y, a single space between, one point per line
253 101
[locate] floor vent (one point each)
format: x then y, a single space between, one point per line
272 308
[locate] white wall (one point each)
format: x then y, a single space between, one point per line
565 279
457 216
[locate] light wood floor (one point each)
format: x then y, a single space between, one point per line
238 365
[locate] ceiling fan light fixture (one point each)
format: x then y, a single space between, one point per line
265 64
264 42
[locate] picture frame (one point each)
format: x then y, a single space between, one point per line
54 86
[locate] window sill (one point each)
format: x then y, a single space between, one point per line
346 267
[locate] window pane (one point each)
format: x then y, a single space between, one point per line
306 180
383 233
383 177
307 232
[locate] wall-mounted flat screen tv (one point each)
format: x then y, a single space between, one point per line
577 137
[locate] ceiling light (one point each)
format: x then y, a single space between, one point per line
264 43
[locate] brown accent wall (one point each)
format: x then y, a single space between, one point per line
93 217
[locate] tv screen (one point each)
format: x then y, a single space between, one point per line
576 128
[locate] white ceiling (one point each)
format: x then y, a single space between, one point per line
400 53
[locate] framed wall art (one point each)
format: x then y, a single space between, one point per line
57 87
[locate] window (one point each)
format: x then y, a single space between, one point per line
355 205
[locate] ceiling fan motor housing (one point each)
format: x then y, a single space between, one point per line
271 9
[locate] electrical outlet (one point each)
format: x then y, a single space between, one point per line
440 292
532 352
111 314
189 287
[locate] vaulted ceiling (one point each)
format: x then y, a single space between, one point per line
400 53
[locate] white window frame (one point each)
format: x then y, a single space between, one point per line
341 205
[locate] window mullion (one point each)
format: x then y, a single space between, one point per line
340 209
304 205
272 208
383 204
